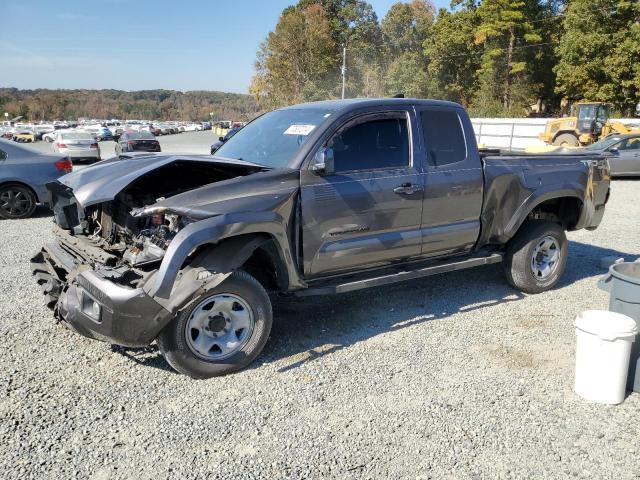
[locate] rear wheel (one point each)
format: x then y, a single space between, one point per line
16 201
222 331
536 257
566 140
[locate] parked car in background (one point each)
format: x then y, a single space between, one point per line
165 129
49 137
42 130
141 141
23 135
24 172
221 141
104 134
99 132
151 129
206 125
77 145
623 152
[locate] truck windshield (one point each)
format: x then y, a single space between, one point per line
273 139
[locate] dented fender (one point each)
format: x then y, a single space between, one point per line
213 230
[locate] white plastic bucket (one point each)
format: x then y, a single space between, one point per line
602 355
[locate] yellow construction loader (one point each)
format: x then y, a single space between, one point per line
589 122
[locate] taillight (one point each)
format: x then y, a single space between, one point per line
94 145
64 165
61 145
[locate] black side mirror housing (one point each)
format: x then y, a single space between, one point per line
221 139
614 151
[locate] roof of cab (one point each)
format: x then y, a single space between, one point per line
353 103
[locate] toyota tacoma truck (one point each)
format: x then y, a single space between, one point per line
313 199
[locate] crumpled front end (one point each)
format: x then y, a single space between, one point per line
113 248
103 304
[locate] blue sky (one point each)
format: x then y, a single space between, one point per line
137 44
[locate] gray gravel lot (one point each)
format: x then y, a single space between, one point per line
450 377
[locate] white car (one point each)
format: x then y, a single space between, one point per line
77 145
191 127
43 129
49 137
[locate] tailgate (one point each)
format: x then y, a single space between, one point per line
598 188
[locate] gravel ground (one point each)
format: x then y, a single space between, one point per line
452 377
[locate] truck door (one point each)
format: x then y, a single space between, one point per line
367 211
453 182
627 158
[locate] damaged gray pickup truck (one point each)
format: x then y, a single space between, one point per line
313 199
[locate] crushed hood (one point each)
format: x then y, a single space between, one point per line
262 191
104 180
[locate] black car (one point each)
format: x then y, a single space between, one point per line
132 141
222 140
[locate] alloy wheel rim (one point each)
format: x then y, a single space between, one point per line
219 327
545 258
14 202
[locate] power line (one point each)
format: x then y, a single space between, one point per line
519 47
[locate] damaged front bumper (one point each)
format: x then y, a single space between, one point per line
91 304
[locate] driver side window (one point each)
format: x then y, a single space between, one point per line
379 143
629 144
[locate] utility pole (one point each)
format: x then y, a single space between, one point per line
344 67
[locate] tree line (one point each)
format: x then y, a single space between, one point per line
42 104
496 57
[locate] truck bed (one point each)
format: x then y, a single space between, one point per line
515 182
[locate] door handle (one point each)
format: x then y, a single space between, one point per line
407 188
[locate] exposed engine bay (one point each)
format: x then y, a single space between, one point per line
120 229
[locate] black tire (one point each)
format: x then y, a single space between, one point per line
566 140
519 258
176 348
16 201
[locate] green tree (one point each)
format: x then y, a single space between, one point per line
405 28
454 56
599 53
296 60
354 24
506 31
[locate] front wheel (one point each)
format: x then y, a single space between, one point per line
536 257
222 331
16 201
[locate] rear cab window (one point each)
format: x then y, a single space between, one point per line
444 137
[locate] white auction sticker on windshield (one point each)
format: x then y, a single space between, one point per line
299 129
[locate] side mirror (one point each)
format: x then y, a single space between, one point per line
221 139
614 151
323 162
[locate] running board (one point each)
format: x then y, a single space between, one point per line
399 276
